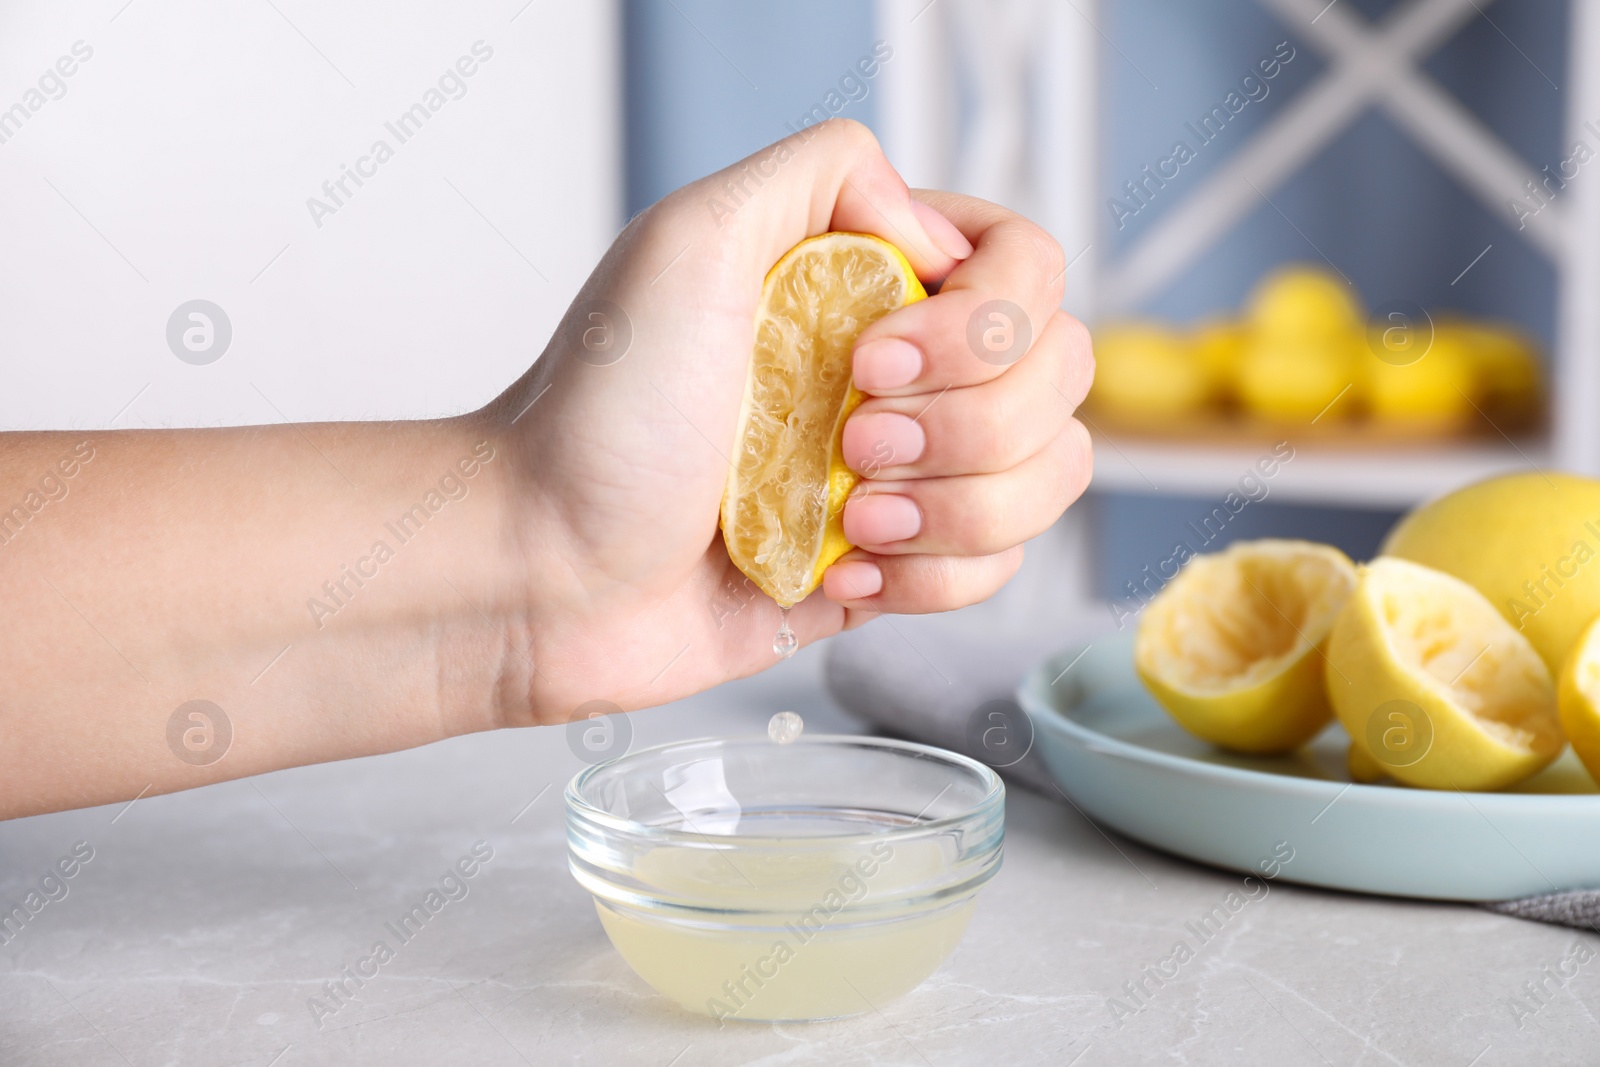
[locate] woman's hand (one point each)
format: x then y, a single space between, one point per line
620 435
193 605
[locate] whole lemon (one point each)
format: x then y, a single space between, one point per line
1219 345
1509 377
1529 542
1146 372
1434 390
1294 380
1302 302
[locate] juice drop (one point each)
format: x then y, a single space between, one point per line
785 727
786 641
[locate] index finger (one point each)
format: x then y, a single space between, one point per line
991 308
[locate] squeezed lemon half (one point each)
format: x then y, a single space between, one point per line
1231 646
1435 687
1578 698
783 509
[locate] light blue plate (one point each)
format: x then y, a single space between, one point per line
1126 763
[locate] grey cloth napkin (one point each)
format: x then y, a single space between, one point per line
948 681
1578 908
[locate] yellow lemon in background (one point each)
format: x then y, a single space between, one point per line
1219 345
1287 380
1435 686
1146 372
1529 542
783 508
1301 351
1505 362
1579 698
1231 647
1432 389
1303 302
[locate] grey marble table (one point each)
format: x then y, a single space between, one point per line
207 922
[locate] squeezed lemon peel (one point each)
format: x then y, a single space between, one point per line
1232 647
783 508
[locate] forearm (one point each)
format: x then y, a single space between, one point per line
331 588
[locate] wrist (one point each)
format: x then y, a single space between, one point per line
548 614
462 515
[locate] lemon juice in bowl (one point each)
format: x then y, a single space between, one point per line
810 880
824 936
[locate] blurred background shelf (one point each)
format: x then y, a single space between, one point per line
1323 475
1393 146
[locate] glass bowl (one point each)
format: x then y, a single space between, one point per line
755 881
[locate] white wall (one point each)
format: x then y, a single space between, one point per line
177 166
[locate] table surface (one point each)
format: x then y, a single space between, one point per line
207 921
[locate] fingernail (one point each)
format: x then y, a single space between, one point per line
887 363
853 579
881 519
941 231
880 440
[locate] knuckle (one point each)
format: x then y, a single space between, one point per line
988 430
1003 567
985 519
650 219
1080 359
1079 461
849 131
939 580
668 222
1051 257
955 582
